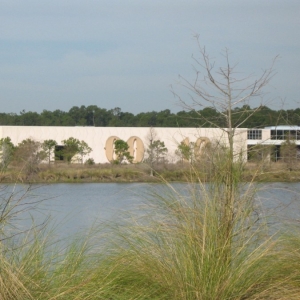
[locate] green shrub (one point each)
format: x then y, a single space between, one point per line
89 162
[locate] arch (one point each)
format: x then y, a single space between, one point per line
186 141
110 148
200 144
136 148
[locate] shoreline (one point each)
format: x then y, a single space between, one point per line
138 173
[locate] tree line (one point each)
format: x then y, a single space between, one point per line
94 116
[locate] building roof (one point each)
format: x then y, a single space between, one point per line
283 127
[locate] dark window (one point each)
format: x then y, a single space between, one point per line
285 134
273 135
280 135
254 134
59 153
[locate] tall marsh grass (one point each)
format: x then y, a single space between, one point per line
185 244
183 253
211 241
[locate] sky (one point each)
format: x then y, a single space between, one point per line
130 53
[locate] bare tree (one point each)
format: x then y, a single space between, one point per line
223 89
29 154
150 151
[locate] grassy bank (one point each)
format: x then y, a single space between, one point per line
77 173
274 172
181 249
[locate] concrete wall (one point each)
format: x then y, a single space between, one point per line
100 139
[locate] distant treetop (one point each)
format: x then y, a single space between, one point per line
100 117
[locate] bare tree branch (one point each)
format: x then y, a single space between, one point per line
223 89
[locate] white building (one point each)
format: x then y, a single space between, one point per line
101 139
273 135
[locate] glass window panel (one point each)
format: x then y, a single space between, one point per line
273 135
254 134
280 135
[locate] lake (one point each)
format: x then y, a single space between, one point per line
75 207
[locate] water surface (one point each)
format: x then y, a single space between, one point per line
75 207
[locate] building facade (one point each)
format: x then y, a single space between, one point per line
101 139
273 136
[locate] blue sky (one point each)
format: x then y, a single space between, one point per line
127 54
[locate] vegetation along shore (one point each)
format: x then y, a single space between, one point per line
76 173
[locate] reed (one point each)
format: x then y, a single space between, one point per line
191 243
198 245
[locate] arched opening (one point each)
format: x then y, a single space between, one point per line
200 145
136 148
110 148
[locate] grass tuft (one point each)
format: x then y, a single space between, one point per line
184 244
